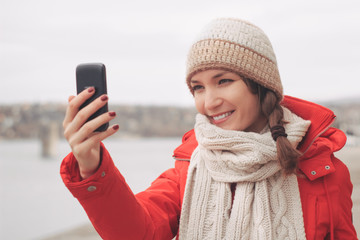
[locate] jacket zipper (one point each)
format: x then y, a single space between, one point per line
325 129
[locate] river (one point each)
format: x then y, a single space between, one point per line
34 202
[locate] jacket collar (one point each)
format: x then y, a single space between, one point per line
320 141
321 118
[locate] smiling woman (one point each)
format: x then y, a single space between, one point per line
257 165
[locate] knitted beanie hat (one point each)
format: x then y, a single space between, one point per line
237 46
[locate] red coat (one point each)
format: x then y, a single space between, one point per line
116 213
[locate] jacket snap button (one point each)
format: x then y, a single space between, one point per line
313 172
91 188
103 174
327 167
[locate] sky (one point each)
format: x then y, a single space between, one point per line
144 45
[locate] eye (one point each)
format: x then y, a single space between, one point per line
197 87
226 80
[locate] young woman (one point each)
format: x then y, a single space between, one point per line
258 165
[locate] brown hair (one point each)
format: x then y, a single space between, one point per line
270 107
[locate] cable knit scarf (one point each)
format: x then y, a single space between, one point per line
266 204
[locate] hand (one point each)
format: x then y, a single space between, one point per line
84 142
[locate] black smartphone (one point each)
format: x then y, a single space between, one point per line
92 75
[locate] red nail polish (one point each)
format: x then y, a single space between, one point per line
104 98
115 127
91 89
112 114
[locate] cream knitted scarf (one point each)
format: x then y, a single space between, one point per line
266 204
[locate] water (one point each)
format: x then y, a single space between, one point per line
34 202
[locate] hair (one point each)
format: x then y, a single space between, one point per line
271 109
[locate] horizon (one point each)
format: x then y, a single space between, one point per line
338 101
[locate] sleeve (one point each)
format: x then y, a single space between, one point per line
113 209
344 228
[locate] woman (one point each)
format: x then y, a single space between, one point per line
257 165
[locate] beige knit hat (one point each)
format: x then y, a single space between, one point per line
238 46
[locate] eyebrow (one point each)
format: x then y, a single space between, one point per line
219 75
213 77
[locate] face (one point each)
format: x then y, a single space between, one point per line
226 100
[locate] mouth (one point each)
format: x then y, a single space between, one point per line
219 118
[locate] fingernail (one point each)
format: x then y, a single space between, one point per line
116 127
104 98
91 89
112 114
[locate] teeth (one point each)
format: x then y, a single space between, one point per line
216 118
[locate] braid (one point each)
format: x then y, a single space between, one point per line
270 107
286 153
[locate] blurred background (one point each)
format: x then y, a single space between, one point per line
144 46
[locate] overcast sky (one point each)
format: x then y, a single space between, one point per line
144 45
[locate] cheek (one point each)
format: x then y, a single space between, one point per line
199 104
254 110
250 110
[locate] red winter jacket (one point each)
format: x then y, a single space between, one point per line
116 213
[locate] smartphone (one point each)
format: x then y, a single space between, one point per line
92 75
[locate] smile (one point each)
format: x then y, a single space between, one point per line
221 117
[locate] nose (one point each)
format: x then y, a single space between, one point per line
212 99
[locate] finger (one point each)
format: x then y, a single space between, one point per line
71 98
95 139
87 130
67 117
83 115
75 103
